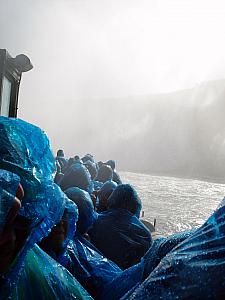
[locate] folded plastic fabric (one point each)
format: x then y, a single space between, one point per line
70 215
128 238
9 183
43 278
77 176
194 269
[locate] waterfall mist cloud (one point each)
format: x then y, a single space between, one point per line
105 73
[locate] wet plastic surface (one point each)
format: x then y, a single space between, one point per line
25 150
194 269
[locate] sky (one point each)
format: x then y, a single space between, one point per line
86 50
117 48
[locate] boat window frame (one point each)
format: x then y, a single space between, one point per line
9 71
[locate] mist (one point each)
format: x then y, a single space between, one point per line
141 82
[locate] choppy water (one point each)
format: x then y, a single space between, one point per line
177 204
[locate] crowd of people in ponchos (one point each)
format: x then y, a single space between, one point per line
70 229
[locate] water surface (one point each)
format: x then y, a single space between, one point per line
177 204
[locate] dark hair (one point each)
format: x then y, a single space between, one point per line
60 153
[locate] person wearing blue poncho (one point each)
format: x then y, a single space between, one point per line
78 255
104 174
77 175
103 195
88 157
91 166
118 233
61 160
116 176
32 274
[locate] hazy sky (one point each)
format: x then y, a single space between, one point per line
107 48
84 49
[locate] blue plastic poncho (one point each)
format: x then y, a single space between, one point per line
9 183
97 185
88 157
132 277
120 228
62 161
111 163
104 173
89 266
91 166
70 215
43 278
25 151
85 262
87 214
77 176
125 197
79 256
21 153
116 176
194 269
103 195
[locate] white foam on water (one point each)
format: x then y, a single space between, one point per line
177 204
